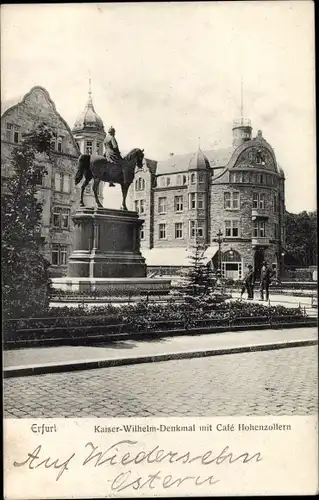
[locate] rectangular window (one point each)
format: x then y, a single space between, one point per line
200 229
142 206
65 218
9 132
66 183
39 177
60 146
142 235
59 255
56 217
178 203
193 178
162 205
200 200
136 204
162 181
245 177
262 229
63 255
192 228
192 201
227 200
275 203
262 201
231 200
57 181
89 147
168 181
162 231
201 178
178 230
16 137
238 177
235 204
255 200
179 180
55 255
227 228
259 229
97 148
184 179
231 228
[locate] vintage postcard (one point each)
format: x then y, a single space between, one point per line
159 255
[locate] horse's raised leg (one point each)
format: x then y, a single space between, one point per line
96 184
124 188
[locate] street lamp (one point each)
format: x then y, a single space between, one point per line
219 240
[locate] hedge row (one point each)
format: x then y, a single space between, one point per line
136 317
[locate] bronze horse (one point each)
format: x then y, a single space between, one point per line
100 169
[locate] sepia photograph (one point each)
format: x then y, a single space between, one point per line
159 221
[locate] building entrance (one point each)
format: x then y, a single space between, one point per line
259 257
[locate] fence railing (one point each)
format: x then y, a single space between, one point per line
24 327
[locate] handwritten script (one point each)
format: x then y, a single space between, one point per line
122 458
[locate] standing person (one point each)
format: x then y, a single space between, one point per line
265 275
248 283
112 152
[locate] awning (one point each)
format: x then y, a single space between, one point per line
177 257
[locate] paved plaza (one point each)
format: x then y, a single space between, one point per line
275 382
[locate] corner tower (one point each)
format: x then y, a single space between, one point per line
88 129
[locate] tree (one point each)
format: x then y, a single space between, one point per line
197 284
25 277
301 236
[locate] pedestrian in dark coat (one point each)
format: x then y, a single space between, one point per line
248 283
265 278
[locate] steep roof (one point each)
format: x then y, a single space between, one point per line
180 163
198 161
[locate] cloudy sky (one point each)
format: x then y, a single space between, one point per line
165 74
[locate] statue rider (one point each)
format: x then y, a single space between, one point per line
112 152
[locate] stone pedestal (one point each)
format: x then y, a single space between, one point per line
106 245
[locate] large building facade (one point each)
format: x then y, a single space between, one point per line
57 191
230 200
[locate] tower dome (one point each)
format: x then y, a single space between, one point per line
88 119
198 161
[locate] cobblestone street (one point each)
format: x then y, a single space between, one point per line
275 382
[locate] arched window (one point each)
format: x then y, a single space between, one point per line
231 256
232 266
193 179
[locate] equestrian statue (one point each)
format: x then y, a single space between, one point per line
111 168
